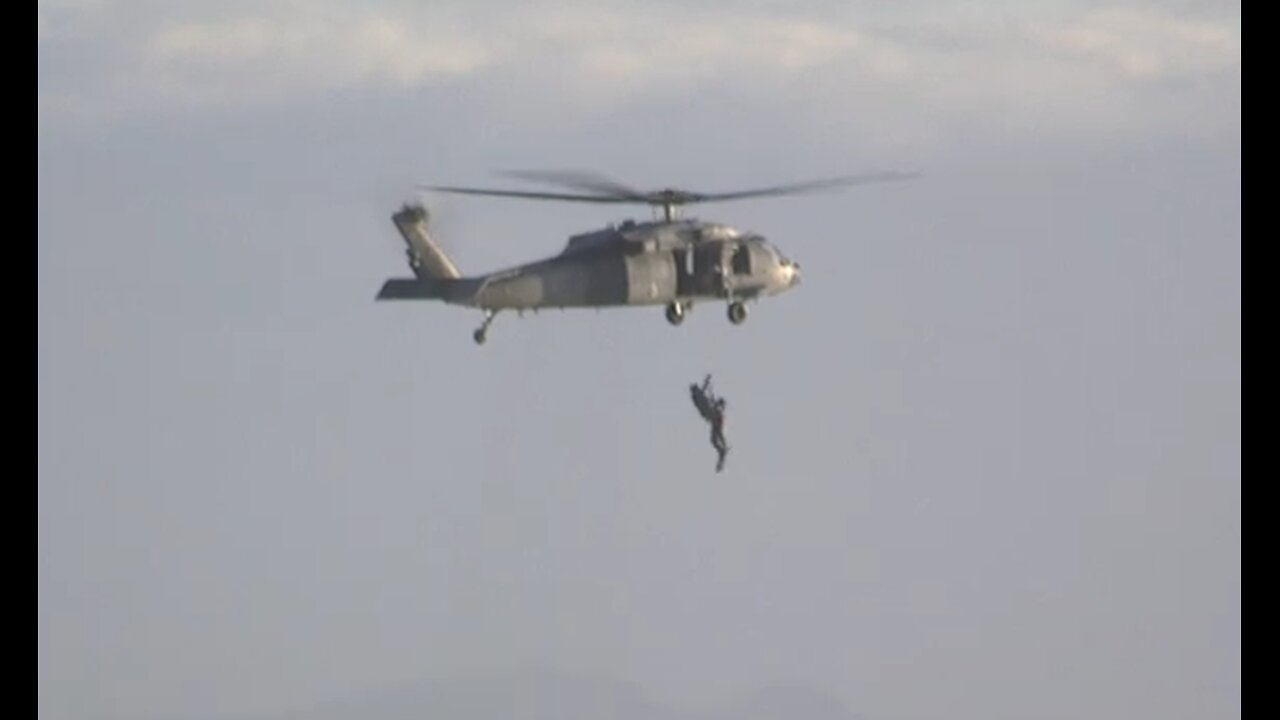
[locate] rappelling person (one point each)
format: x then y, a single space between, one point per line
712 409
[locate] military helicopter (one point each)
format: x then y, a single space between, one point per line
668 261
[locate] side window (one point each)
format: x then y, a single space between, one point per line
741 259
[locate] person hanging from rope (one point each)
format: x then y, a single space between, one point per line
712 409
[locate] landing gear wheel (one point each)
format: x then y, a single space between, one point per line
737 312
479 334
675 313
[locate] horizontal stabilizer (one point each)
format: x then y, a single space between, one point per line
412 289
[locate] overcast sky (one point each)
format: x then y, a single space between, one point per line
986 457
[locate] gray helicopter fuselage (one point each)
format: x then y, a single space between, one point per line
672 262
676 263
653 263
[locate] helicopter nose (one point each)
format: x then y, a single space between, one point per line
795 273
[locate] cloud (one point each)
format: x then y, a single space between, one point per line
1144 44
265 59
1036 66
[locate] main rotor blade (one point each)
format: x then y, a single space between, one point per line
804 187
581 180
526 195
617 193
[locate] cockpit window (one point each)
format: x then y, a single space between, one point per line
776 253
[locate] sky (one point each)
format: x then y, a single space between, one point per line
986 458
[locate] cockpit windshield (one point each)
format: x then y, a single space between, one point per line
775 252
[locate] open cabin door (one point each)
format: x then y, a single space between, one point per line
685 284
741 258
708 267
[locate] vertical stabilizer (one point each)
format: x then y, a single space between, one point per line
426 258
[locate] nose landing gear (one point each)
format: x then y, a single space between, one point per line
737 312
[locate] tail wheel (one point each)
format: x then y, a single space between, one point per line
675 313
737 312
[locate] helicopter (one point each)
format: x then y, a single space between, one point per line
668 261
